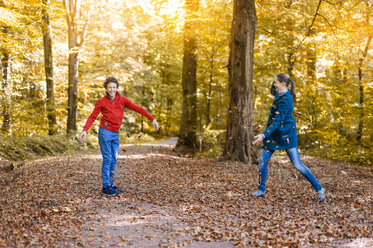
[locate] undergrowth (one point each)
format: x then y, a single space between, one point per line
333 146
27 148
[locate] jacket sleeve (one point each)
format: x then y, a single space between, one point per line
96 111
138 109
279 116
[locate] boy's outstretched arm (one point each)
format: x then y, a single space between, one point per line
155 124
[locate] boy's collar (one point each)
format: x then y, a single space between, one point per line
108 96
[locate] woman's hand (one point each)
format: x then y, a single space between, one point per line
155 124
259 139
82 136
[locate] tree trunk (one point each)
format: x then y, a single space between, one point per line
48 63
239 126
361 90
169 114
208 117
290 63
72 92
72 12
312 80
5 89
188 125
6 113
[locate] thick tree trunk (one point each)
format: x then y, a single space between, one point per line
6 100
239 127
48 63
188 125
72 91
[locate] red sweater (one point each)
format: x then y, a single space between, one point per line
112 112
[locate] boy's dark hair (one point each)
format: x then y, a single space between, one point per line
111 80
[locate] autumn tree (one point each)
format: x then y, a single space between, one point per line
213 55
5 88
48 64
17 40
188 123
367 14
241 62
164 57
76 38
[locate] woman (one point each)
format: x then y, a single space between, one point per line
281 134
111 106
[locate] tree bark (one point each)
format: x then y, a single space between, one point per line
188 125
6 99
48 63
239 126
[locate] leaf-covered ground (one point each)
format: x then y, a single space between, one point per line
172 200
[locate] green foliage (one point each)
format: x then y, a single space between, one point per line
25 148
135 138
332 145
213 55
211 142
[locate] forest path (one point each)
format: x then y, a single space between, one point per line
172 200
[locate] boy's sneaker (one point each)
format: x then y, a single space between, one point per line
258 193
321 195
109 191
117 189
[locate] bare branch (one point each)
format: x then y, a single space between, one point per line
309 28
335 34
85 27
68 17
365 53
84 32
331 3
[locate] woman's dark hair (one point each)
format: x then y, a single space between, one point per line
283 77
111 80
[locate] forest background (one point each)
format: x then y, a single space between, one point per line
324 45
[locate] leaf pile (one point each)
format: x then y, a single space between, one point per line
173 200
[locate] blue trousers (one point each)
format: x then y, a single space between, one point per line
293 155
109 145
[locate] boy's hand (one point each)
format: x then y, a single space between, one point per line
155 124
259 139
82 136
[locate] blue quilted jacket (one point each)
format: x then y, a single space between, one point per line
281 132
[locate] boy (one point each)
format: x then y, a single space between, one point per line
111 106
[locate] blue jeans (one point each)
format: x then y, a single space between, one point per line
109 144
293 155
